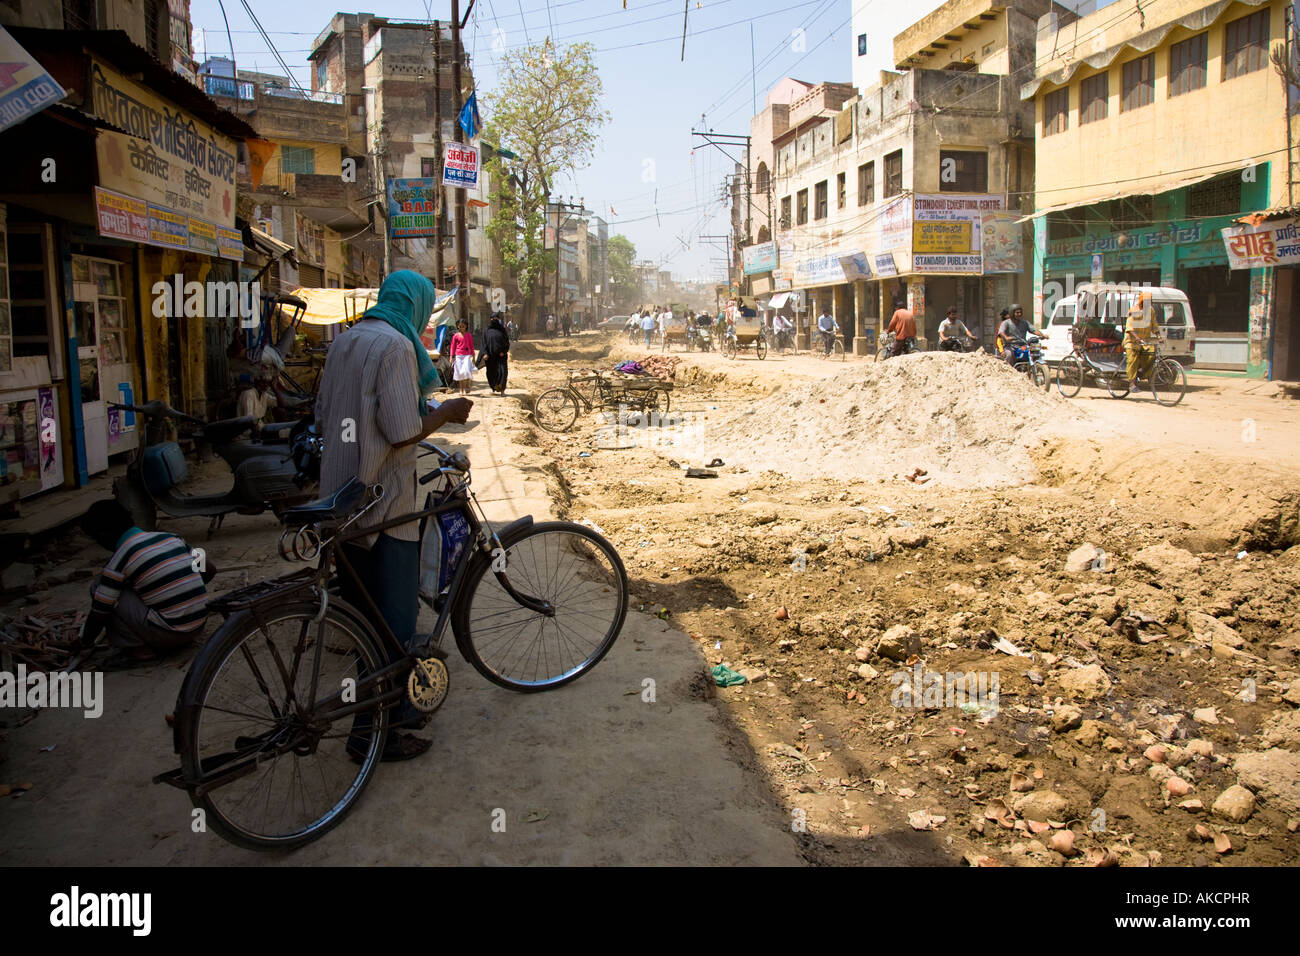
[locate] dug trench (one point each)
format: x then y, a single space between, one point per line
1135 612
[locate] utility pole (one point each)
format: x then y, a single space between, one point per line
438 265
728 139
462 230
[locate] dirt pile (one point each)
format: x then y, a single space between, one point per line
964 419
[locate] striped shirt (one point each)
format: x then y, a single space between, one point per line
159 568
368 402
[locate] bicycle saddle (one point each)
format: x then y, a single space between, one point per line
331 508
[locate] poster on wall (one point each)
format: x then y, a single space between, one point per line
1003 246
460 166
760 257
311 240
896 232
51 460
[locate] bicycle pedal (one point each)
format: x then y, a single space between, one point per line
427 684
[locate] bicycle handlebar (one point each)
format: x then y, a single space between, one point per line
157 409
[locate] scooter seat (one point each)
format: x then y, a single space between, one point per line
276 431
228 429
340 504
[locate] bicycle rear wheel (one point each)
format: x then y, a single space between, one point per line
255 703
1117 384
1069 376
579 576
1168 382
556 409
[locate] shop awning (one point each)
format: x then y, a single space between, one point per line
1148 186
778 300
269 246
331 306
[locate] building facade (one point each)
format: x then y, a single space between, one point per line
1155 129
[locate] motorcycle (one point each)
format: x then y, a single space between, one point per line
890 347
1029 359
700 337
271 470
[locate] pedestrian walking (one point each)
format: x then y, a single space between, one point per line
647 326
462 356
496 348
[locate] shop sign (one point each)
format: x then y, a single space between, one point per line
947 232
460 166
413 208
759 258
25 87
885 265
832 269
1147 239
134 220
1274 243
163 156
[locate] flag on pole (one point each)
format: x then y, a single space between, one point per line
470 121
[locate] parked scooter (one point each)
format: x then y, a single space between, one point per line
269 471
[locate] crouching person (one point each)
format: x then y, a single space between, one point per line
148 598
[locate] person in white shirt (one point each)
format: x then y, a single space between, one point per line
647 326
949 330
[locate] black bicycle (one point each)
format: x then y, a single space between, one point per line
283 715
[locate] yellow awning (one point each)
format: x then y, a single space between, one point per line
331 306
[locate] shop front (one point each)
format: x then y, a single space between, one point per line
1171 238
142 199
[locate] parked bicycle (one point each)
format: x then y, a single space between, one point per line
283 715
556 409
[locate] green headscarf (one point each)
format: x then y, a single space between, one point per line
405 302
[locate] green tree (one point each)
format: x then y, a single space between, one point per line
546 111
622 274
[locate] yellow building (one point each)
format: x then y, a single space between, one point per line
1157 125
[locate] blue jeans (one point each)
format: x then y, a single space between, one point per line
390 571
647 336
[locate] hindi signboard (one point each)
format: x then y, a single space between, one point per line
134 220
412 208
163 156
460 166
1275 243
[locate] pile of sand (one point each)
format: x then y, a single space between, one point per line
965 419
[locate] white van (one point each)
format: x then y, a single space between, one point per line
1113 302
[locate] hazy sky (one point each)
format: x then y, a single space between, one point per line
663 187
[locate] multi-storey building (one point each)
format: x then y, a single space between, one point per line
908 189
1156 127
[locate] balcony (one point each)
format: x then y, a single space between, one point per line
314 116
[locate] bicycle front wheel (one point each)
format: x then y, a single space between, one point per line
730 348
1168 382
569 603
256 705
837 351
760 347
556 409
1069 376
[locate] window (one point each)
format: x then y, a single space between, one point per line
764 179
1056 111
802 197
1215 197
1138 83
862 44
297 159
820 198
785 212
1060 225
894 173
1245 45
428 167
322 75
1187 65
841 191
963 171
1131 212
1092 98
866 184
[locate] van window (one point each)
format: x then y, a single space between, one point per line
1064 314
1175 314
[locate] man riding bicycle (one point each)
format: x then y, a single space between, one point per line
1141 330
828 328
